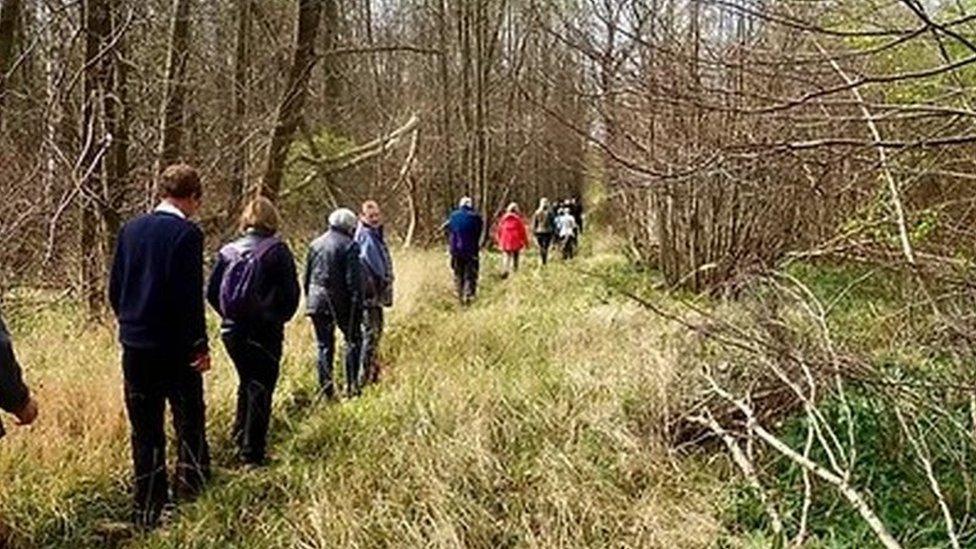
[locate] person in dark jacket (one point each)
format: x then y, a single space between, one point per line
254 339
156 291
334 298
576 210
15 397
378 284
465 227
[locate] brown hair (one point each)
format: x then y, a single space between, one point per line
180 181
260 213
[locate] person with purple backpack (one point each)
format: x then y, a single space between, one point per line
254 288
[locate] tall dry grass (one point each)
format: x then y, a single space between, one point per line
528 420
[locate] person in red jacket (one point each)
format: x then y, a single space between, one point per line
512 237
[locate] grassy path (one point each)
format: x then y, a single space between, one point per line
526 420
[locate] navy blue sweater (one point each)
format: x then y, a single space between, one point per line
156 287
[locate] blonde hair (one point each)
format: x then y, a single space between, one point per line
512 208
260 213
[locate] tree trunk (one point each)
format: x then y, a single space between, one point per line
116 110
293 101
447 156
171 131
238 179
97 23
9 15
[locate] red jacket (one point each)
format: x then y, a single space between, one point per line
512 235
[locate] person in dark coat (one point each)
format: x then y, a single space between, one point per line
576 210
15 397
156 292
334 298
464 228
377 282
253 339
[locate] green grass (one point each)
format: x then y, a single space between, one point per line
530 419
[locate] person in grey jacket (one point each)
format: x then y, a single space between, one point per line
14 395
334 298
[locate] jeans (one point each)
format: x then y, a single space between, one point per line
258 365
545 241
325 326
465 276
153 377
372 333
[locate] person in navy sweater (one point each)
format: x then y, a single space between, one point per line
465 227
254 338
156 292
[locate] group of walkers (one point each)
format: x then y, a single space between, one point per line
157 292
559 225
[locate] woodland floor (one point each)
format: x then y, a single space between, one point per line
528 420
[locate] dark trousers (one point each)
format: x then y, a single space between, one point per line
372 333
569 247
544 240
465 276
152 378
325 327
258 364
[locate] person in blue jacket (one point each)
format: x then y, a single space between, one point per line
377 284
465 227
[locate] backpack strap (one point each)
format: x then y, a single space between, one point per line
265 246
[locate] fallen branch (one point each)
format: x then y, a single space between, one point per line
353 157
838 480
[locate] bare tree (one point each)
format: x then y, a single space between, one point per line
9 15
172 121
296 90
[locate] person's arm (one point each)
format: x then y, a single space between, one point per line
290 292
369 255
188 270
309 260
354 284
216 279
115 278
14 394
15 397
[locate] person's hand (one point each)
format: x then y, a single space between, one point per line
202 363
28 413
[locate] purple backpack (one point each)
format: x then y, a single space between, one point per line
239 289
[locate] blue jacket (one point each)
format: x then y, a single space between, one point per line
277 288
377 265
465 227
156 285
